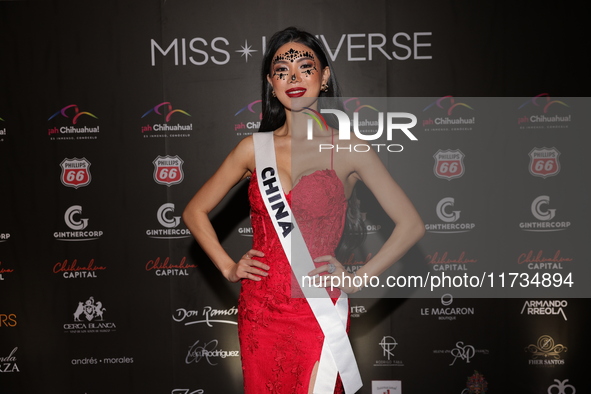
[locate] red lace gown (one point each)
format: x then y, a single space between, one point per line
280 339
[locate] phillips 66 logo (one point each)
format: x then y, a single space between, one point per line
168 170
449 164
75 172
544 162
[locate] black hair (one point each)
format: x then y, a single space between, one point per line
273 113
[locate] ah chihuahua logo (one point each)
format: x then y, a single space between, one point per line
249 118
74 131
166 110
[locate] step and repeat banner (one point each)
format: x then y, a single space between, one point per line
113 114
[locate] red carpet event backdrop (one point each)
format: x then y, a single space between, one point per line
113 114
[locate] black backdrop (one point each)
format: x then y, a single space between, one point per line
116 112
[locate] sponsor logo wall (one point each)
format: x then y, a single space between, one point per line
110 120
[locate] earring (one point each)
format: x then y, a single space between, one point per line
273 93
324 87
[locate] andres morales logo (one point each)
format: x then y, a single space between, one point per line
168 170
73 114
249 118
544 162
448 113
166 111
449 164
75 172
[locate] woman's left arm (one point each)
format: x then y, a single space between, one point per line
409 227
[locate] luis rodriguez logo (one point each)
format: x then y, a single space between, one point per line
74 130
166 112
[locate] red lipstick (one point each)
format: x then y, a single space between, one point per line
295 92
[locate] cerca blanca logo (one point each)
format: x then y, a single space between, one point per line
89 318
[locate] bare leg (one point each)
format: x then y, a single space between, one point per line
313 378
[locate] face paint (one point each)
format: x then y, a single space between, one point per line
291 56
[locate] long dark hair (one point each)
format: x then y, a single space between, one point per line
273 111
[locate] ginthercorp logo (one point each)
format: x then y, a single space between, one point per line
168 170
448 114
546 352
544 162
74 131
4 237
542 112
541 211
344 128
351 47
75 172
89 317
248 118
166 112
449 164
169 221
78 224
450 217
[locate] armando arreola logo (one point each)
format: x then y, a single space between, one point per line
345 130
89 318
544 216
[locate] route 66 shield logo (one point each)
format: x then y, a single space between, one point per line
75 172
543 162
168 170
449 164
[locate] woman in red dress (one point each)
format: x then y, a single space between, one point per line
282 343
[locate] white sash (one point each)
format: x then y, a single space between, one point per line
337 355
